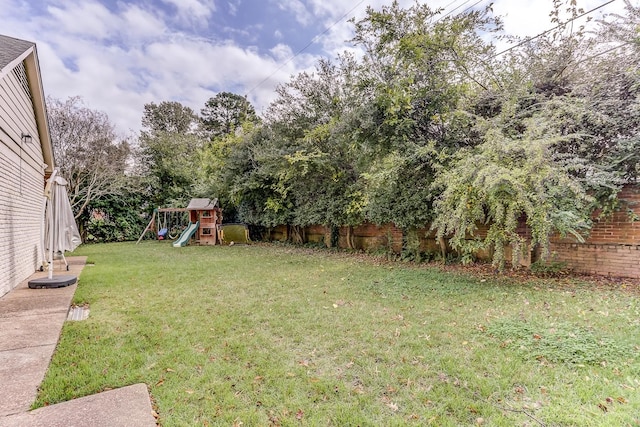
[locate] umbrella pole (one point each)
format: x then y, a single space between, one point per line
47 193
50 246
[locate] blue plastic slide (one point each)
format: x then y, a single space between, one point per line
186 234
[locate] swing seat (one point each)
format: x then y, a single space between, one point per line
162 234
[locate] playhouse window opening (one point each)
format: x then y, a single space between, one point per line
206 231
206 214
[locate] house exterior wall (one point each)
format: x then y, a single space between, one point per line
21 182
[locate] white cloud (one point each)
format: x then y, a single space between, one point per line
133 54
298 9
84 19
140 23
281 52
193 12
233 8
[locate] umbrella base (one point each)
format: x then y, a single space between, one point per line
54 282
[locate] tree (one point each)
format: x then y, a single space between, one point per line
88 153
225 112
299 166
168 116
418 73
505 181
168 154
560 135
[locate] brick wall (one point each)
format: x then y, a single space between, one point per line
612 248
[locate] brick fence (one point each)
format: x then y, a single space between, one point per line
612 248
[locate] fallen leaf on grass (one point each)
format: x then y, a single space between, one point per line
358 389
299 414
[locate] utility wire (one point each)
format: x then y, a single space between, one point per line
551 29
444 8
458 7
603 52
444 16
313 40
454 9
473 5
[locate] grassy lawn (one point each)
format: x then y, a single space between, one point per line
270 335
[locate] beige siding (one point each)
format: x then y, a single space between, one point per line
21 186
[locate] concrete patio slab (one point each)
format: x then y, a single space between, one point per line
29 303
41 328
30 324
21 372
125 407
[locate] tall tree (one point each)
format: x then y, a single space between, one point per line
170 117
419 70
225 112
168 154
309 151
88 152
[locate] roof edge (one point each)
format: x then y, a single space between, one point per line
34 76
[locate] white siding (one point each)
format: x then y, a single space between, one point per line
21 186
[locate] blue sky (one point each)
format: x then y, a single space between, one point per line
118 55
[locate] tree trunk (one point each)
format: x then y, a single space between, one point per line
350 243
443 248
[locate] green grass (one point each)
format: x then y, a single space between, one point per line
270 335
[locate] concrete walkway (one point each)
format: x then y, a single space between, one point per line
30 324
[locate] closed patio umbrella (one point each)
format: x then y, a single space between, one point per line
59 232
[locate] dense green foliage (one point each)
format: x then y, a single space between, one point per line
428 125
433 126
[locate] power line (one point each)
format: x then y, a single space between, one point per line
326 30
551 29
473 5
458 7
604 52
313 40
444 8
455 8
